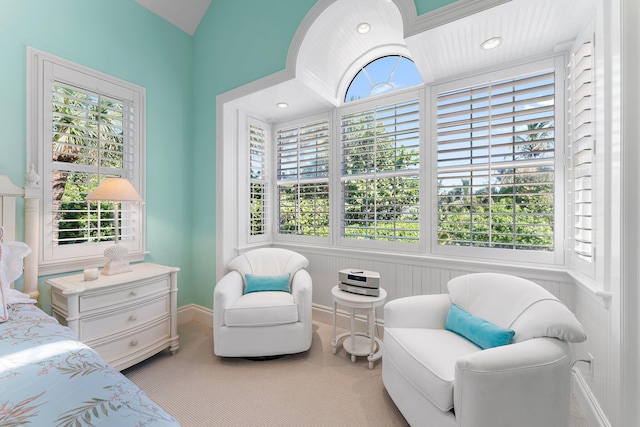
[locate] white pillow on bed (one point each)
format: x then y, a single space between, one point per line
11 265
4 311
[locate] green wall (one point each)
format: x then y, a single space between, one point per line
236 43
123 39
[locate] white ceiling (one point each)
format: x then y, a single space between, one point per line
528 28
184 14
332 51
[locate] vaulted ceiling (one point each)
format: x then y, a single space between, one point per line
332 50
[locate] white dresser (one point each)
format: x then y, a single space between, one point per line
126 317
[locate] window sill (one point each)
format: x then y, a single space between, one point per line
591 286
552 273
80 264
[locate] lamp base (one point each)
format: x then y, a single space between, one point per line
117 264
116 267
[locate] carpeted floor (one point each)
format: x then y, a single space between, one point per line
315 388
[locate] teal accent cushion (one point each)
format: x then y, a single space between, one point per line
255 283
481 332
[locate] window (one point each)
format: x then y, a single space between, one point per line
581 151
89 126
303 179
496 174
386 74
380 176
258 183
490 186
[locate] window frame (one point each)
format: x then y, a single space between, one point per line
42 70
298 238
428 246
364 69
375 102
556 257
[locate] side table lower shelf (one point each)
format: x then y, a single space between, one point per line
358 343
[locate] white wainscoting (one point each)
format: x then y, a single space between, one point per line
598 388
403 276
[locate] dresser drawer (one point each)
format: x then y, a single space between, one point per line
123 294
137 341
119 321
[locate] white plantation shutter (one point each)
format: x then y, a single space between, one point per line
91 137
581 150
303 179
92 126
495 164
258 183
380 161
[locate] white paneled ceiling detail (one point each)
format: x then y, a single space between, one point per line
326 57
333 50
527 27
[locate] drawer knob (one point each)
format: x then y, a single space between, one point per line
134 343
134 293
133 317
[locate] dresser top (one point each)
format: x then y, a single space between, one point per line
75 283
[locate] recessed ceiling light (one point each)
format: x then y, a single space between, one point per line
282 105
491 43
363 27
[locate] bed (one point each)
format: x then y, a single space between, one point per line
47 376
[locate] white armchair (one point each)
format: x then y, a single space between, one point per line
266 323
439 378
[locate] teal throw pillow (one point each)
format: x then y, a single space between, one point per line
255 283
481 332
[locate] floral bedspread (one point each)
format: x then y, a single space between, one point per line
49 378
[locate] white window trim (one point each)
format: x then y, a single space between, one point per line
531 257
90 254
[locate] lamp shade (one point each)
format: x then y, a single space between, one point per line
116 190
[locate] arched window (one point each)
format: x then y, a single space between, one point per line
383 75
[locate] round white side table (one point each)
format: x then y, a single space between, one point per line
358 343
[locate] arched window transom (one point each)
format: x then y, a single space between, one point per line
383 75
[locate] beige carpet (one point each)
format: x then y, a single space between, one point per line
315 388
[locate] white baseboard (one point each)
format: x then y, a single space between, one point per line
587 401
203 315
195 313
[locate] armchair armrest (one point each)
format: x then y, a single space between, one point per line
301 289
421 311
485 381
227 291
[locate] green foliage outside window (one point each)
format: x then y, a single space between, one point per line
87 134
380 178
515 212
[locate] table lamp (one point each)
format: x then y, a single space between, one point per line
116 190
